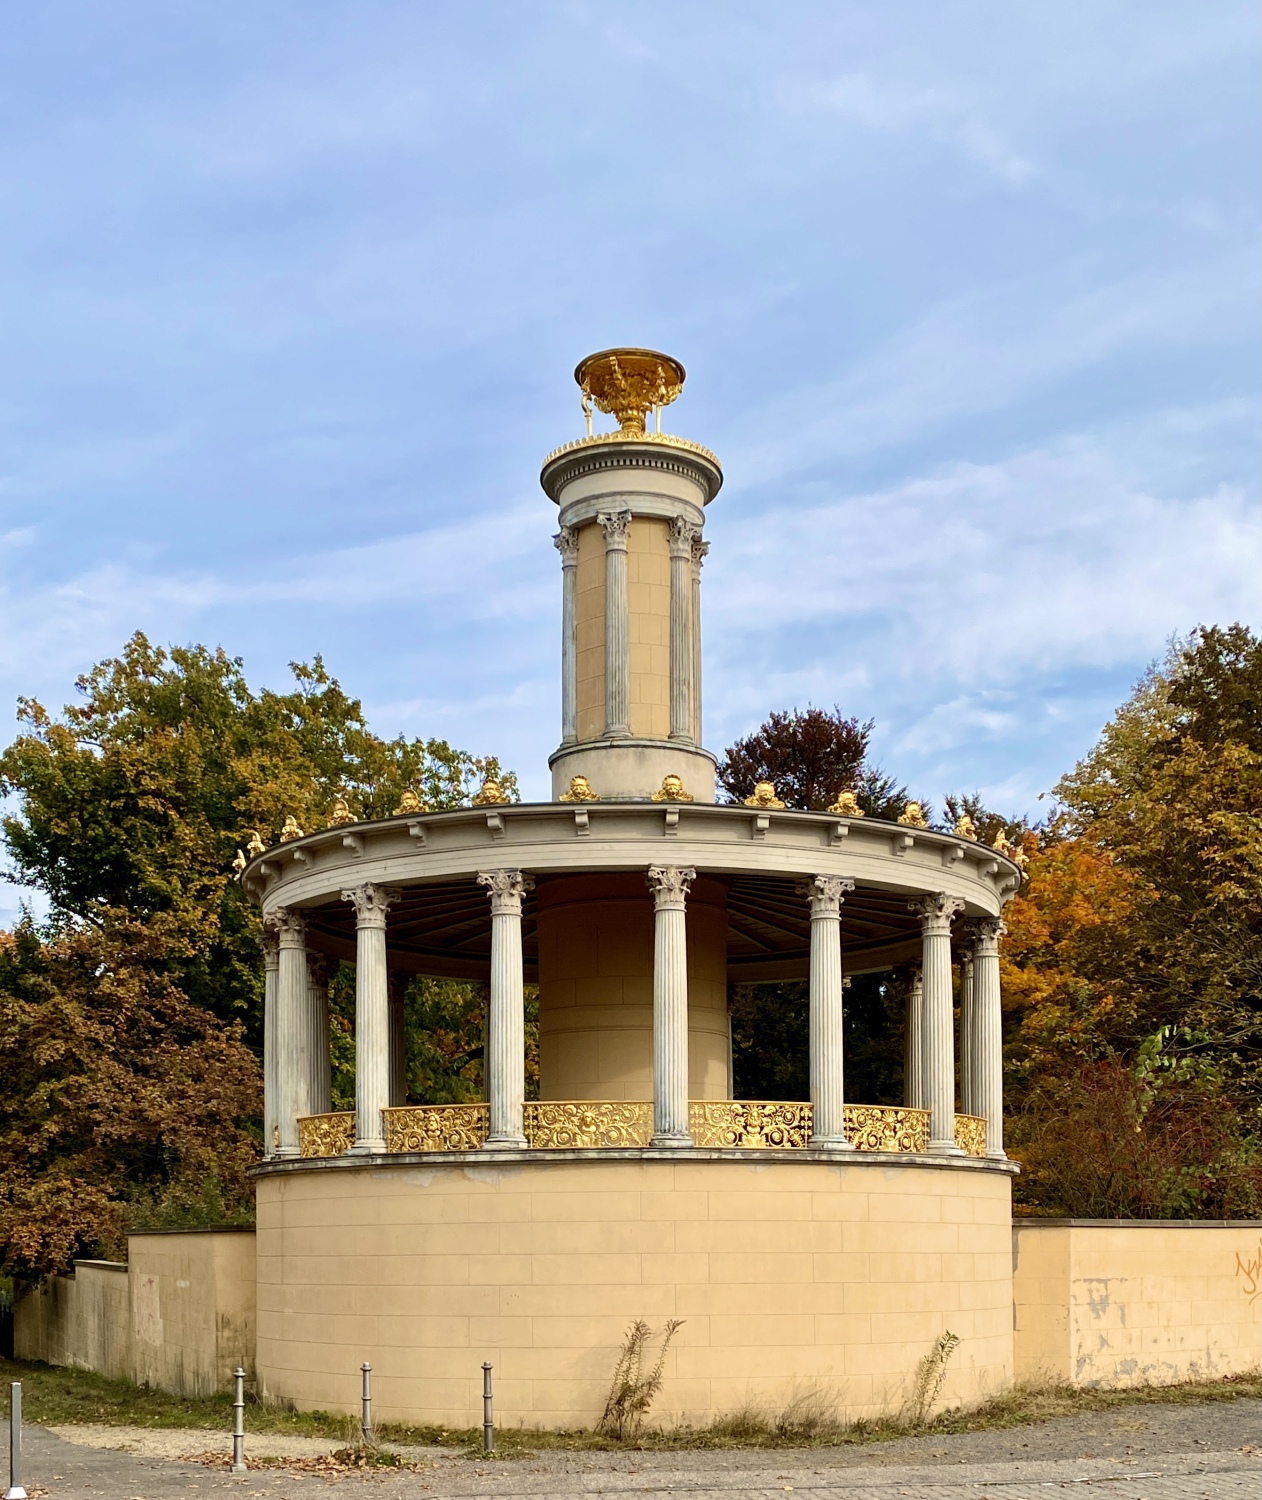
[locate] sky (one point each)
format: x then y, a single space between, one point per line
968 295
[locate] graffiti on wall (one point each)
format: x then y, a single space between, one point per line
1251 1270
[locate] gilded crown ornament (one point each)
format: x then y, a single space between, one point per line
240 862
341 813
764 796
580 791
1001 844
628 384
847 805
256 845
491 794
672 790
409 802
965 829
290 831
913 816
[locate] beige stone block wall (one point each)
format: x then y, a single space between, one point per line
648 632
1119 1303
192 1309
788 1276
595 937
81 1321
589 620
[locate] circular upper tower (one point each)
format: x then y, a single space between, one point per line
632 512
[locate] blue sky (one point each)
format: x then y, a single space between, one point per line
967 293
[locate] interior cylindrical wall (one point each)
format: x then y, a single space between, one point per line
595 936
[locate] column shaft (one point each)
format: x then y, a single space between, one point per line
914 1041
271 1054
670 1005
968 1025
319 1084
699 550
292 1028
827 995
566 541
682 536
988 1047
936 912
398 1042
506 1018
617 527
372 1015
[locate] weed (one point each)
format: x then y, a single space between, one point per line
930 1373
631 1391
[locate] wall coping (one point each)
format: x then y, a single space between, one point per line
1019 1221
198 1229
98 1265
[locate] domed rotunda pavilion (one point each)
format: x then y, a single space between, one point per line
818 1244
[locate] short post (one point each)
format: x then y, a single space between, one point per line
488 1414
365 1415
238 1421
15 1490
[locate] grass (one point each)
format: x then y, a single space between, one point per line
54 1397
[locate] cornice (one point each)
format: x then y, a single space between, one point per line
631 450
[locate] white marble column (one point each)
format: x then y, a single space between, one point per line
670 1005
292 1030
398 1068
988 1043
566 542
270 945
968 1027
617 527
682 535
506 1010
699 550
319 1083
372 1015
936 912
914 1041
826 893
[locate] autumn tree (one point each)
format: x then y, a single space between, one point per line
810 757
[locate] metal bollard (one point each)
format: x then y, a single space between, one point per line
488 1415
365 1415
238 1421
15 1490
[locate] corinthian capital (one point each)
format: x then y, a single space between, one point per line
370 903
289 926
988 932
506 889
683 535
826 893
270 944
616 524
935 911
566 543
669 885
700 550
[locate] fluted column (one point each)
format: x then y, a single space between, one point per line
968 1027
292 1029
398 1068
826 893
988 1043
699 550
566 542
506 1012
670 1005
270 945
372 1014
936 912
617 527
319 1083
682 535
914 1041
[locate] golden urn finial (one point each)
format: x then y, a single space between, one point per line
256 845
764 796
628 384
847 804
291 830
580 791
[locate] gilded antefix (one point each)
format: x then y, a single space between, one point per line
612 1160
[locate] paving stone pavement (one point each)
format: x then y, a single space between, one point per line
1210 1452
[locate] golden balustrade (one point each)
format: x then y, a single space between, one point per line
583 1124
970 1134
